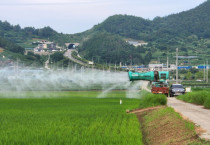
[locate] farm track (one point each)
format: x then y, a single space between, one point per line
195 113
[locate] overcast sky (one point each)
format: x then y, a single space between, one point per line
73 16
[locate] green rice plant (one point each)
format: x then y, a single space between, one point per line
73 118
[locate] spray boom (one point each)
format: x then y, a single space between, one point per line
149 76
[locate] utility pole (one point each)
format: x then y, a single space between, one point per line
204 71
92 64
167 63
177 65
207 71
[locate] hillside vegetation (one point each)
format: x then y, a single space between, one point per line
189 31
20 35
112 49
15 52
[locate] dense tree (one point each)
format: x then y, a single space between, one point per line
111 49
57 56
189 75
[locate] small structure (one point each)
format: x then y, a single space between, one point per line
155 66
90 62
136 43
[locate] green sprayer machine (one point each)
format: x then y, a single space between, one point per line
158 80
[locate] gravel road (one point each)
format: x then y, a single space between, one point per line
194 113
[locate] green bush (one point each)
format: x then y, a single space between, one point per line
150 100
207 103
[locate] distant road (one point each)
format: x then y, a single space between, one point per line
68 54
194 113
47 63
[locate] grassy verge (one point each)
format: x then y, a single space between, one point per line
74 55
165 126
197 97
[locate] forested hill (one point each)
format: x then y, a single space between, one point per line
189 31
20 35
124 25
195 21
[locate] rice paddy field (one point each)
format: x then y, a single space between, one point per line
74 118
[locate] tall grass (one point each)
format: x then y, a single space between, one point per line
151 100
197 97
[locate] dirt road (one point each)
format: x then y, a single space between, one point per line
194 113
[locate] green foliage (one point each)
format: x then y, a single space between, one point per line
150 100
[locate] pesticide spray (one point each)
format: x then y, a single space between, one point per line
32 80
134 90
